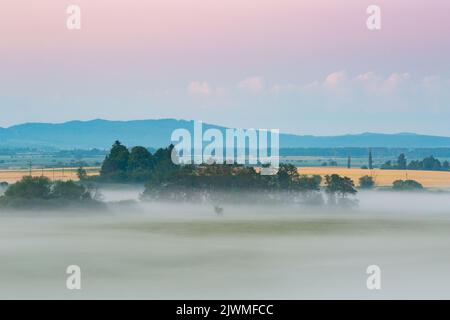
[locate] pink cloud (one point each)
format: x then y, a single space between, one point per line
252 84
197 88
335 80
395 80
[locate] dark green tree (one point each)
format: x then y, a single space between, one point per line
309 183
387 165
431 163
140 164
407 185
81 173
370 159
163 161
446 165
30 188
338 188
401 162
116 163
287 176
69 190
415 165
341 186
366 182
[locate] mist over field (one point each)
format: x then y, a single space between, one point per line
224 150
158 250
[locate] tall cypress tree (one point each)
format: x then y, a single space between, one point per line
370 159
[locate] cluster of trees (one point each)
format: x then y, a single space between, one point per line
331 163
337 189
40 191
366 182
135 165
218 182
228 178
407 185
168 181
429 163
357 152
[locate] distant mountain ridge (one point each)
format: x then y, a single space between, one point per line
156 133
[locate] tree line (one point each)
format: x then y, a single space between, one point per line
166 180
41 192
429 164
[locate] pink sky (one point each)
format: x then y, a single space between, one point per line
126 46
198 34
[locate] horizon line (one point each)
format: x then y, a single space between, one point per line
219 125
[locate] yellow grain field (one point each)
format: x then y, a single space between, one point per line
65 174
430 179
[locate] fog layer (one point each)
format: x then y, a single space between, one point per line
186 251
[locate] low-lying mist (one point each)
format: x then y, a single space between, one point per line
377 202
233 249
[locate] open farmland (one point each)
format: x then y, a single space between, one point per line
64 174
429 179
383 178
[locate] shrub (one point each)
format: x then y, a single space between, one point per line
407 185
30 187
366 182
69 190
335 184
40 192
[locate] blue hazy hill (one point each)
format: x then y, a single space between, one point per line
156 133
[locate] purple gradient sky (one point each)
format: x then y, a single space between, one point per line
300 66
